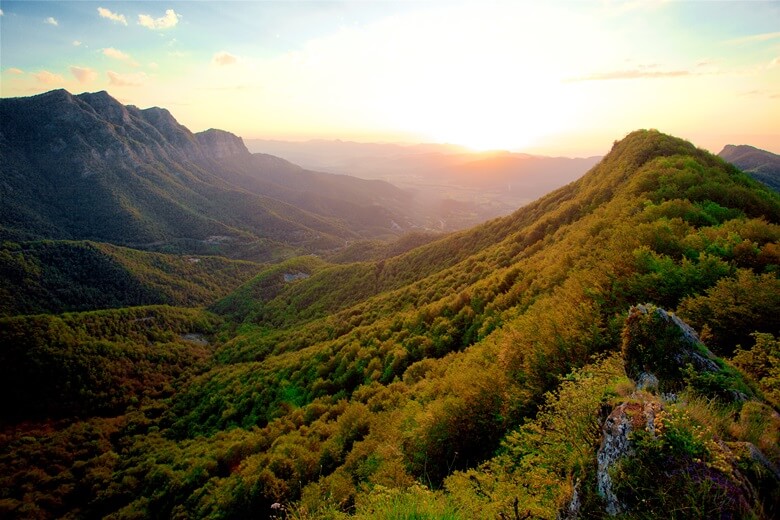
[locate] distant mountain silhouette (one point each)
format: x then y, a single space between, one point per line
87 167
762 165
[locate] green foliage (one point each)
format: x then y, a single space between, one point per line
542 460
53 470
247 302
373 250
98 362
59 276
653 343
762 364
415 503
735 308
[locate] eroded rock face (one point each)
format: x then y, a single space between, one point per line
616 444
647 381
651 447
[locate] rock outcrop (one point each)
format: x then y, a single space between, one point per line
616 444
658 346
219 144
649 446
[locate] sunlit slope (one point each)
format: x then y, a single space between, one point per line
59 276
657 220
461 258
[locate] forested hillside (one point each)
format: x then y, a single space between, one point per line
59 276
610 349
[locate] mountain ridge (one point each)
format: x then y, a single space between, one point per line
762 165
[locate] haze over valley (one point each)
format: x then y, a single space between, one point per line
468 187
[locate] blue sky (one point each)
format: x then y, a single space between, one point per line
546 77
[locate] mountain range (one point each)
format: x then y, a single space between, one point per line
87 167
608 350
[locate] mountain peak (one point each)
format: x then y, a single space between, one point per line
740 148
106 106
632 153
60 93
641 146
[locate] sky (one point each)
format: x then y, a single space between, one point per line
547 77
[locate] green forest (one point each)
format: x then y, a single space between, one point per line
610 350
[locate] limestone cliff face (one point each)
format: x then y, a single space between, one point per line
218 144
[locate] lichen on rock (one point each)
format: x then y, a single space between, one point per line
616 444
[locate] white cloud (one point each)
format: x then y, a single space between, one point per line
14 70
115 53
48 78
223 58
114 17
51 21
641 72
164 22
83 74
137 79
119 55
774 63
76 43
1 12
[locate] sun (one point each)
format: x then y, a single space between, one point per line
478 111
486 134
490 124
